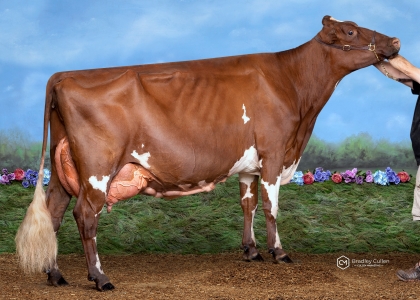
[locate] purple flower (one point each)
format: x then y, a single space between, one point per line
368 172
318 176
392 177
11 176
349 176
4 171
359 179
31 176
25 183
4 179
369 178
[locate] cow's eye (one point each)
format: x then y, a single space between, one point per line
350 32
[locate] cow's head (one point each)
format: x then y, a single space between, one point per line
360 46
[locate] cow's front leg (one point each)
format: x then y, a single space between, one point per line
86 213
248 185
270 185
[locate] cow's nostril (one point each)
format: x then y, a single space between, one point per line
396 43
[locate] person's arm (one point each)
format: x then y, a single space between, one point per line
406 67
389 70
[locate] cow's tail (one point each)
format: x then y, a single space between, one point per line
36 242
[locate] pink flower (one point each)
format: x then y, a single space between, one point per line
337 178
308 178
404 177
19 174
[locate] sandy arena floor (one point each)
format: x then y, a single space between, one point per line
220 276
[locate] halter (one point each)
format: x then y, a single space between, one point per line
370 47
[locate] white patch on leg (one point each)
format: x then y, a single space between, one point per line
248 163
142 158
247 179
98 263
252 226
99 185
244 116
277 244
273 194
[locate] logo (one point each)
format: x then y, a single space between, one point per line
343 262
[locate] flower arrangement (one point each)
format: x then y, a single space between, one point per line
28 178
386 177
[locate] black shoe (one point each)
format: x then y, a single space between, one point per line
409 275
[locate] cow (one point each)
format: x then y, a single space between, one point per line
175 129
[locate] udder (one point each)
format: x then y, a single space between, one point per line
131 180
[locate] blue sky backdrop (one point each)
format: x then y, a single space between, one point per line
39 38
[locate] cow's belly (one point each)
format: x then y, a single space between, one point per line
134 179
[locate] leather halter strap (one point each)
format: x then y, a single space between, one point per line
370 47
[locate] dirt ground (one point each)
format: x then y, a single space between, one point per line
220 276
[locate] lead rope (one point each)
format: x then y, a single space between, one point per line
372 48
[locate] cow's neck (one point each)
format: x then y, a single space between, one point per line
315 72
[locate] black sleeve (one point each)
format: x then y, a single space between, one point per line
416 88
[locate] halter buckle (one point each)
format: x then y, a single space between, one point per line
371 47
346 47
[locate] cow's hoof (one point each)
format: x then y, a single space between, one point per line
56 279
286 259
251 254
106 287
280 256
258 257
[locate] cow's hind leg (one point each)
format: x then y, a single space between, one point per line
248 185
87 212
57 202
270 181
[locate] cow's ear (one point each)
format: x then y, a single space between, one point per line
326 20
327 34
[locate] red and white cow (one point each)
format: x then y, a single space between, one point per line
180 128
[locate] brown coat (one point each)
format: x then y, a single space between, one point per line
179 128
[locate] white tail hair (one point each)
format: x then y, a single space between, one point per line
36 242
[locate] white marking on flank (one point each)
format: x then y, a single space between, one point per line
248 163
246 179
142 158
99 185
244 116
